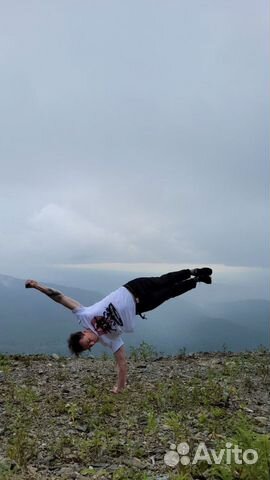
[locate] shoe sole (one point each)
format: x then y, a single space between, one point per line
204 271
205 279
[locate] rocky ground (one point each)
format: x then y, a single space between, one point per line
60 421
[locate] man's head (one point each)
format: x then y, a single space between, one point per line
80 341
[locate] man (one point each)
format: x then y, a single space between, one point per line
105 321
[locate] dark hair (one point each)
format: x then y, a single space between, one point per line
74 343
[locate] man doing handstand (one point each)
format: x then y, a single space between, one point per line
115 314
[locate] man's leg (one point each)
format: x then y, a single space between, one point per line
153 291
177 280
160 295
143 286
174 277
169 279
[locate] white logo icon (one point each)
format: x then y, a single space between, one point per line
172 458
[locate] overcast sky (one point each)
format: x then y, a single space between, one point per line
134 132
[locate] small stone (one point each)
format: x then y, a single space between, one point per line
55 356
262 420
87 471
72 431
68 472
113 467
13 465
216 361
133 462
32 470
47 460
165 426
82 428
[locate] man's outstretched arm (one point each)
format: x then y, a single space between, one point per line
55 295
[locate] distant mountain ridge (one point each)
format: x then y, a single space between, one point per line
32 323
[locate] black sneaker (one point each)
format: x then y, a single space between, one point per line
205 279
198 272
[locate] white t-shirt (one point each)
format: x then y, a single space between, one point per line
119 310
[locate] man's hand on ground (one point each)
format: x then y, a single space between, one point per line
116 389
31 284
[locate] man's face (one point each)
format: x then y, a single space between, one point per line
88 340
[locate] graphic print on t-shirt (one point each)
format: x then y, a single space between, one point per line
109 322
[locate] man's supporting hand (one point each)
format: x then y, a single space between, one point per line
116 390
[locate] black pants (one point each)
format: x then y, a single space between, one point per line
153 291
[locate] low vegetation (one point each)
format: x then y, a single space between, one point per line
60 421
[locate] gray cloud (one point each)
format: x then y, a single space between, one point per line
134 131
